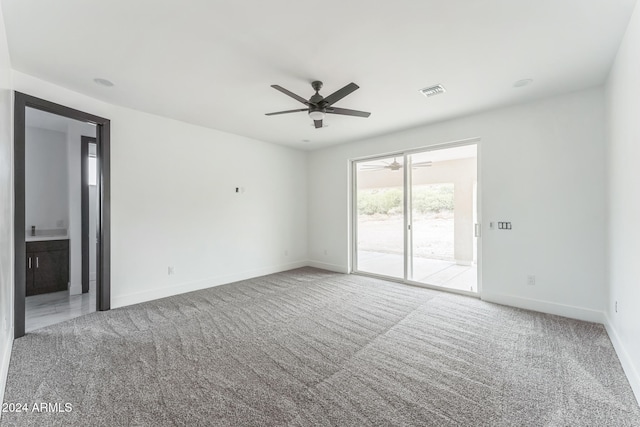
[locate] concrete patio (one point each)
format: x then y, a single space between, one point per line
435 272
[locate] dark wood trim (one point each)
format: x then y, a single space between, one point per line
103 222
85 208
20 245
103 277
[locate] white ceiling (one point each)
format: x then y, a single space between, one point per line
41 119
211 62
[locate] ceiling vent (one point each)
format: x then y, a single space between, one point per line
433 90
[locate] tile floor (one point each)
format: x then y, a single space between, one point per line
434 272
55 307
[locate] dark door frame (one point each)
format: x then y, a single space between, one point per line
103 222
84 201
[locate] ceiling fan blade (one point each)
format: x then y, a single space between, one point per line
318 123
347 112
285 112
291 94
340 93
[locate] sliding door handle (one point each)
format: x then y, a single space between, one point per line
37 262
29 263
476 230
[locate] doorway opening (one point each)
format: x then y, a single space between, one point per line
416 217
53 209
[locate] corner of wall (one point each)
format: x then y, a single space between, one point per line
625 359
4 363
330 267
6 208
622 134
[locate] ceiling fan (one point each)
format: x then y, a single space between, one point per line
394 166
318 106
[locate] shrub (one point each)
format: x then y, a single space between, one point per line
389 201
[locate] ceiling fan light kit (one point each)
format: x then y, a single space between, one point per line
316 115
318 106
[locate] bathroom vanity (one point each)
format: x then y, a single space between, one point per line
47 265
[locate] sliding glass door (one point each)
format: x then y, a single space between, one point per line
380 216
415 217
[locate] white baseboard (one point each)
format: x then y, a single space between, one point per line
152 294
564 310
4 366
628 364
330 267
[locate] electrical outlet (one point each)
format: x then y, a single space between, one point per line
325 252
616 306
171 271
531 280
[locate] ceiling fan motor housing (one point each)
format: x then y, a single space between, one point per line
316 101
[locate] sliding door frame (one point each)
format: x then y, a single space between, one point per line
407 214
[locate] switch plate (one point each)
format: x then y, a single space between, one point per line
171 271
531 280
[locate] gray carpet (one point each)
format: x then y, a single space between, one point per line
314 348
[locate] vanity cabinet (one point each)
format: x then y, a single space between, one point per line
47 266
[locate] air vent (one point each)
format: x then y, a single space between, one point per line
433 90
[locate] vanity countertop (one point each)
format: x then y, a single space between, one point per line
43 238
45 235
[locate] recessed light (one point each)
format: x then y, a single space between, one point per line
523 82
103 82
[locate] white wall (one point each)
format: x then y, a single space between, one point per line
623 134
6 209
46 186
174 201
542 168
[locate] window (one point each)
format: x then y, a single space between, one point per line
93 176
